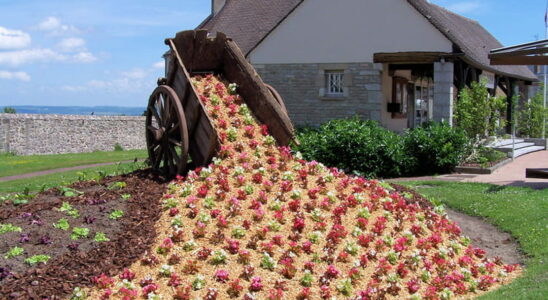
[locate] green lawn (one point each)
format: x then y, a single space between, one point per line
35 184
14 165
522 212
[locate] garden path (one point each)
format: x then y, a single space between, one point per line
59 170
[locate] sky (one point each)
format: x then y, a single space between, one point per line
97 53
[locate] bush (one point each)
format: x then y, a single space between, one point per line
366 148
9 110
118 147
532 116
478 113
355 146
435 148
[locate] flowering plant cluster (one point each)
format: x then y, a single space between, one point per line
261 223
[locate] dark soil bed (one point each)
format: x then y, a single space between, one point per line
73 262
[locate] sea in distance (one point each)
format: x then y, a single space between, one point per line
79 110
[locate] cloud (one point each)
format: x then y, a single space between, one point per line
465 7
135 74
131 81
72 44
84 57
55 27
159 65
29 56
14 75
13 39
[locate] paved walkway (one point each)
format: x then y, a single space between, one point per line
512 174
53 171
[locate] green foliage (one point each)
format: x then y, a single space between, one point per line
62 224
69 192
35 259
355 145
13 252
9 110
101 237
435 148
79 232
478 113
118 147
116 214
365 148
532 116
117 185
483 156
69 210
6 228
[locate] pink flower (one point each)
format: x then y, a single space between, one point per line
256 284
221 276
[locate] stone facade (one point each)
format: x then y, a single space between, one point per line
302 87
443 92
25 134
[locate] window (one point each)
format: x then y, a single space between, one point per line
334 83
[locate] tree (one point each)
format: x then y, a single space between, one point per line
478 113
9 110
532 116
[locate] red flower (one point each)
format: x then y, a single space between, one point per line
413 285
103 281
127 274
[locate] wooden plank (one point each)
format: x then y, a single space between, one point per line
410 57
519 60
536 173
256 95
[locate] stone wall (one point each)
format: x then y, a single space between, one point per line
25 134
302 86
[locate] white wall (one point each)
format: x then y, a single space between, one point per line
329 31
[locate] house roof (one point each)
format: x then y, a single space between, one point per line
472 39
249 22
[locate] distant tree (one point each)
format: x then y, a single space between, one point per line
9 110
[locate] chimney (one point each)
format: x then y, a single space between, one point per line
217 5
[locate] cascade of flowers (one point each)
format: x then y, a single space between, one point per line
261 223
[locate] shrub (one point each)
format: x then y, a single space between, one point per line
355 146
435 148
118 147
366 148
532 116
9 110
477 113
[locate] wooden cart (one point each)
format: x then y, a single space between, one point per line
177 124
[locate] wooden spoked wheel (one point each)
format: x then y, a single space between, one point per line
166 132
277 96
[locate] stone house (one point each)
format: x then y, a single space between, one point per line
400 62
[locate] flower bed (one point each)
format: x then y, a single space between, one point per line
261 223
67 235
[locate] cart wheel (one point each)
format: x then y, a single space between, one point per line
277 96
166 132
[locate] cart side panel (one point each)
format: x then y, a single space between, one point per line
256 95
198 52
202 136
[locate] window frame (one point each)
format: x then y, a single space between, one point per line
337 91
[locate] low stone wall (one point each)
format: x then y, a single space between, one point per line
25 134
